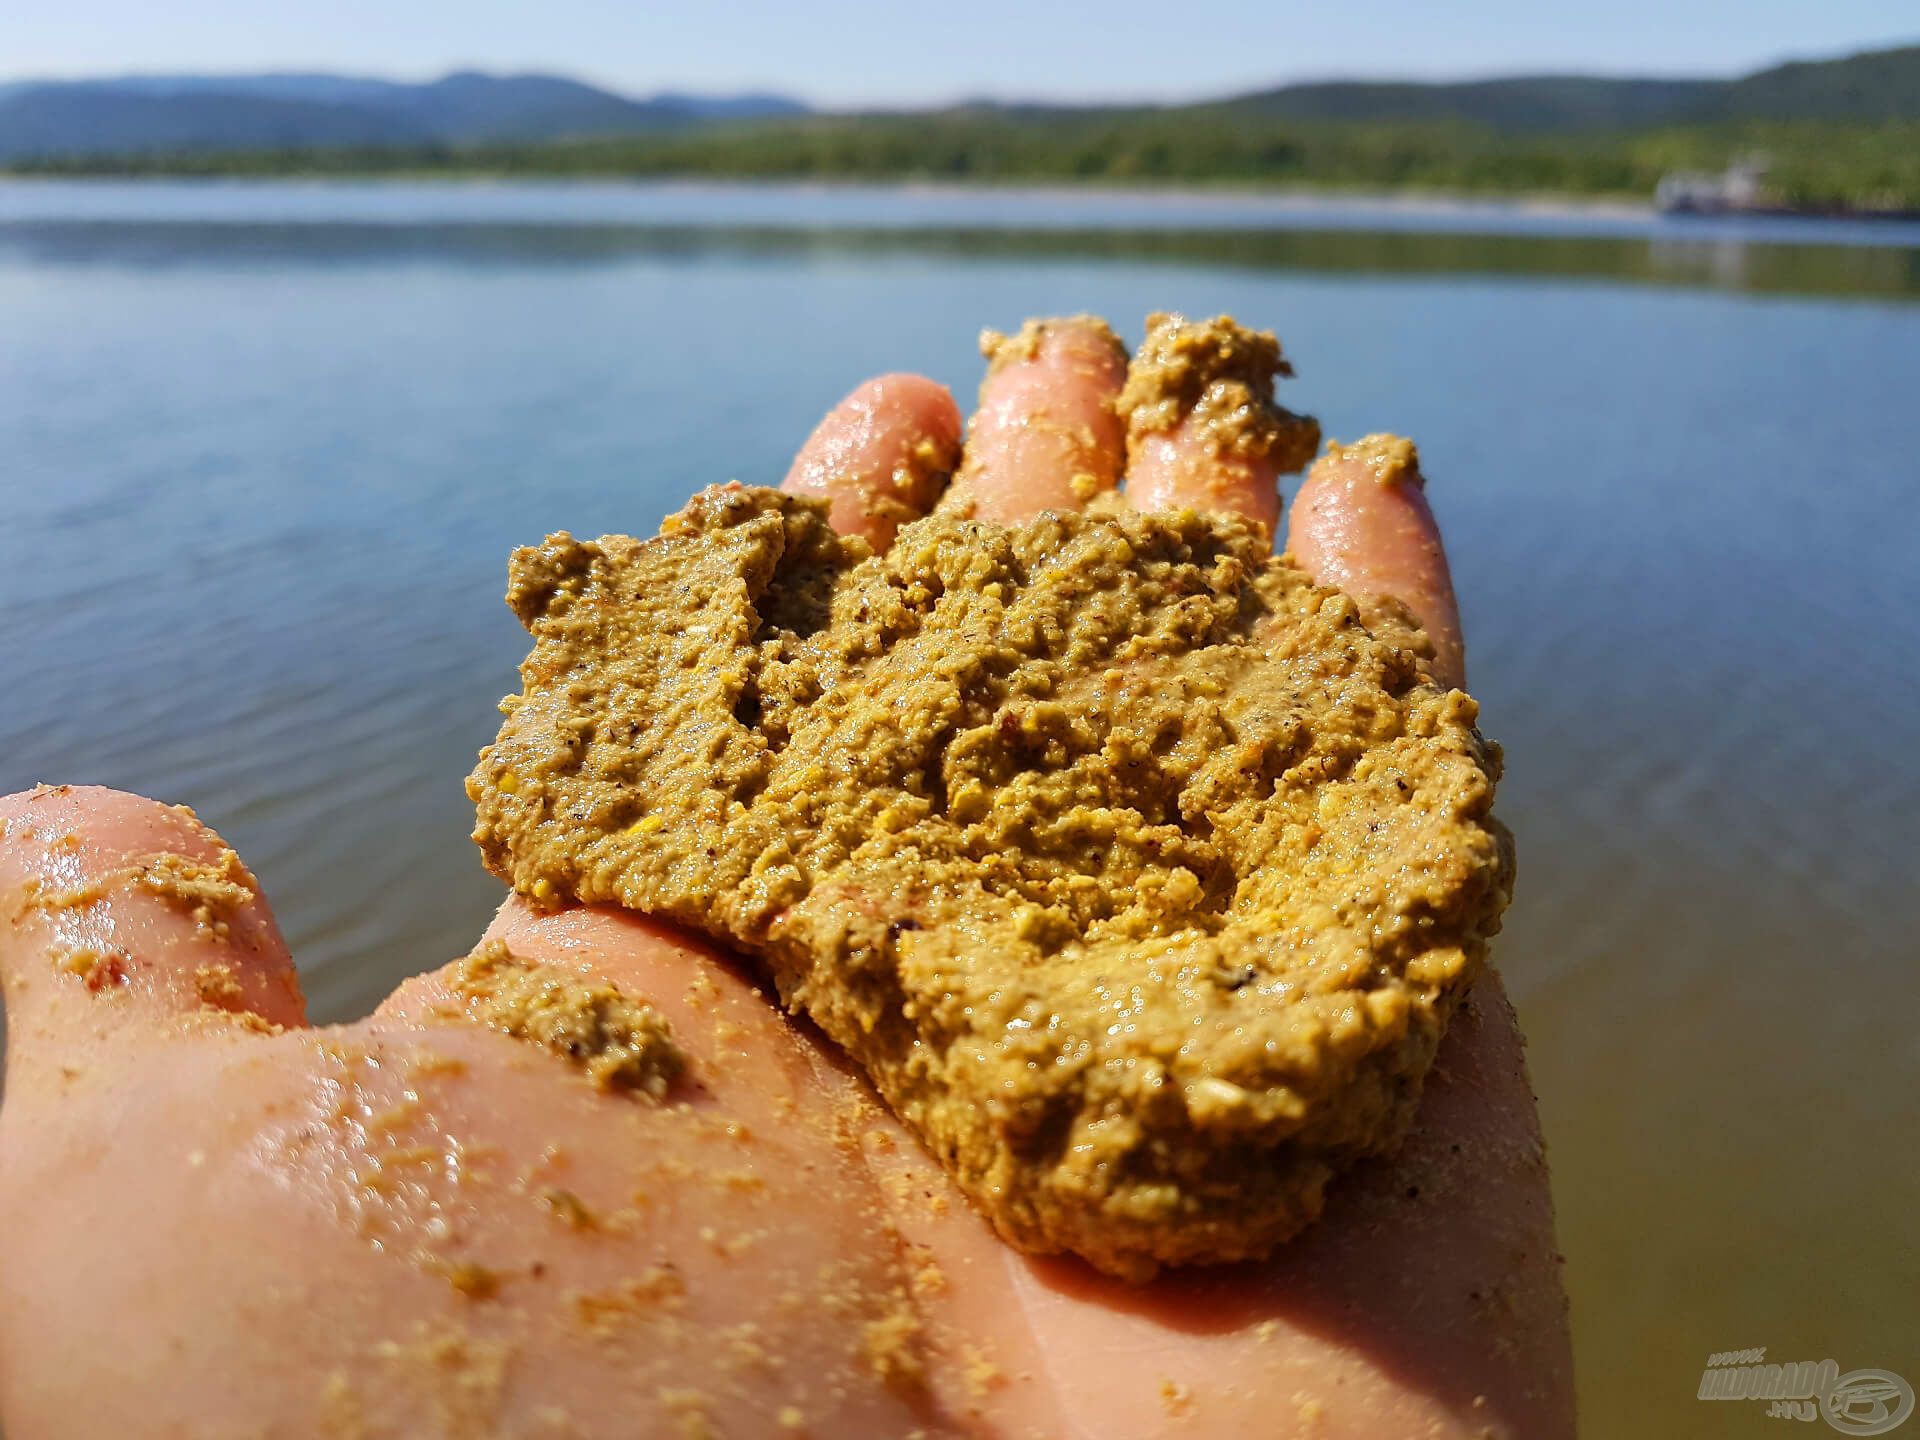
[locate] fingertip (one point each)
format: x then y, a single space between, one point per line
1184 469
1361 521
126 914
881 457
1203 431
1046 435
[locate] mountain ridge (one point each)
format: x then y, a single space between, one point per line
296 109
149 114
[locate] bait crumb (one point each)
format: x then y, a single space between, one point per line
746 1349
341 1409
926 461
929 1279
792 1418
732 1247
209 892
692 1407
228 1021
469 1278
96 969
1000 350
981 1373
34 895
658 1290
620 1043
465 1376
1219 375
1391 459
891 1345
426 1064
1175 1398
568 1208
218 986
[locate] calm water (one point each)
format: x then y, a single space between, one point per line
263 452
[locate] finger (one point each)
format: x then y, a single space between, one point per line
1046 436
125 916
1203 431
881 457
1426 1301
1361 522
752 1192
464 1229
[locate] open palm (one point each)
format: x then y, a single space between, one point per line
221 1222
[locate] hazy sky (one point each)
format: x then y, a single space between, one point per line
841 52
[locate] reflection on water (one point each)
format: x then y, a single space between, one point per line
577 222
837 206
1723 262
259 475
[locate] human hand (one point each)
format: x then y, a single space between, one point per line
221 1222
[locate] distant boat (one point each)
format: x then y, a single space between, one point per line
1737 190
1741 189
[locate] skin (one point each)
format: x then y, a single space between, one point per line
1046 436
1369 538
881 456
415 1225
1183 468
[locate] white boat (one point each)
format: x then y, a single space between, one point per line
1734 191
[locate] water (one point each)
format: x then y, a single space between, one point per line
263 452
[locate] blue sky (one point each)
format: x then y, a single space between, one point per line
911 52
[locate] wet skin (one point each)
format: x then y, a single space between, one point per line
219 1221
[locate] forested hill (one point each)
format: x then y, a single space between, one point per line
1877 86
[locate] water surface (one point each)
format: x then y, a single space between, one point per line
264 450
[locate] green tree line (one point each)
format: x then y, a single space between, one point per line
1815 164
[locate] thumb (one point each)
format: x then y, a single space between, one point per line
122 919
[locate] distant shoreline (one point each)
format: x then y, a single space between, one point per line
1217 219
1172 192
1300 197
